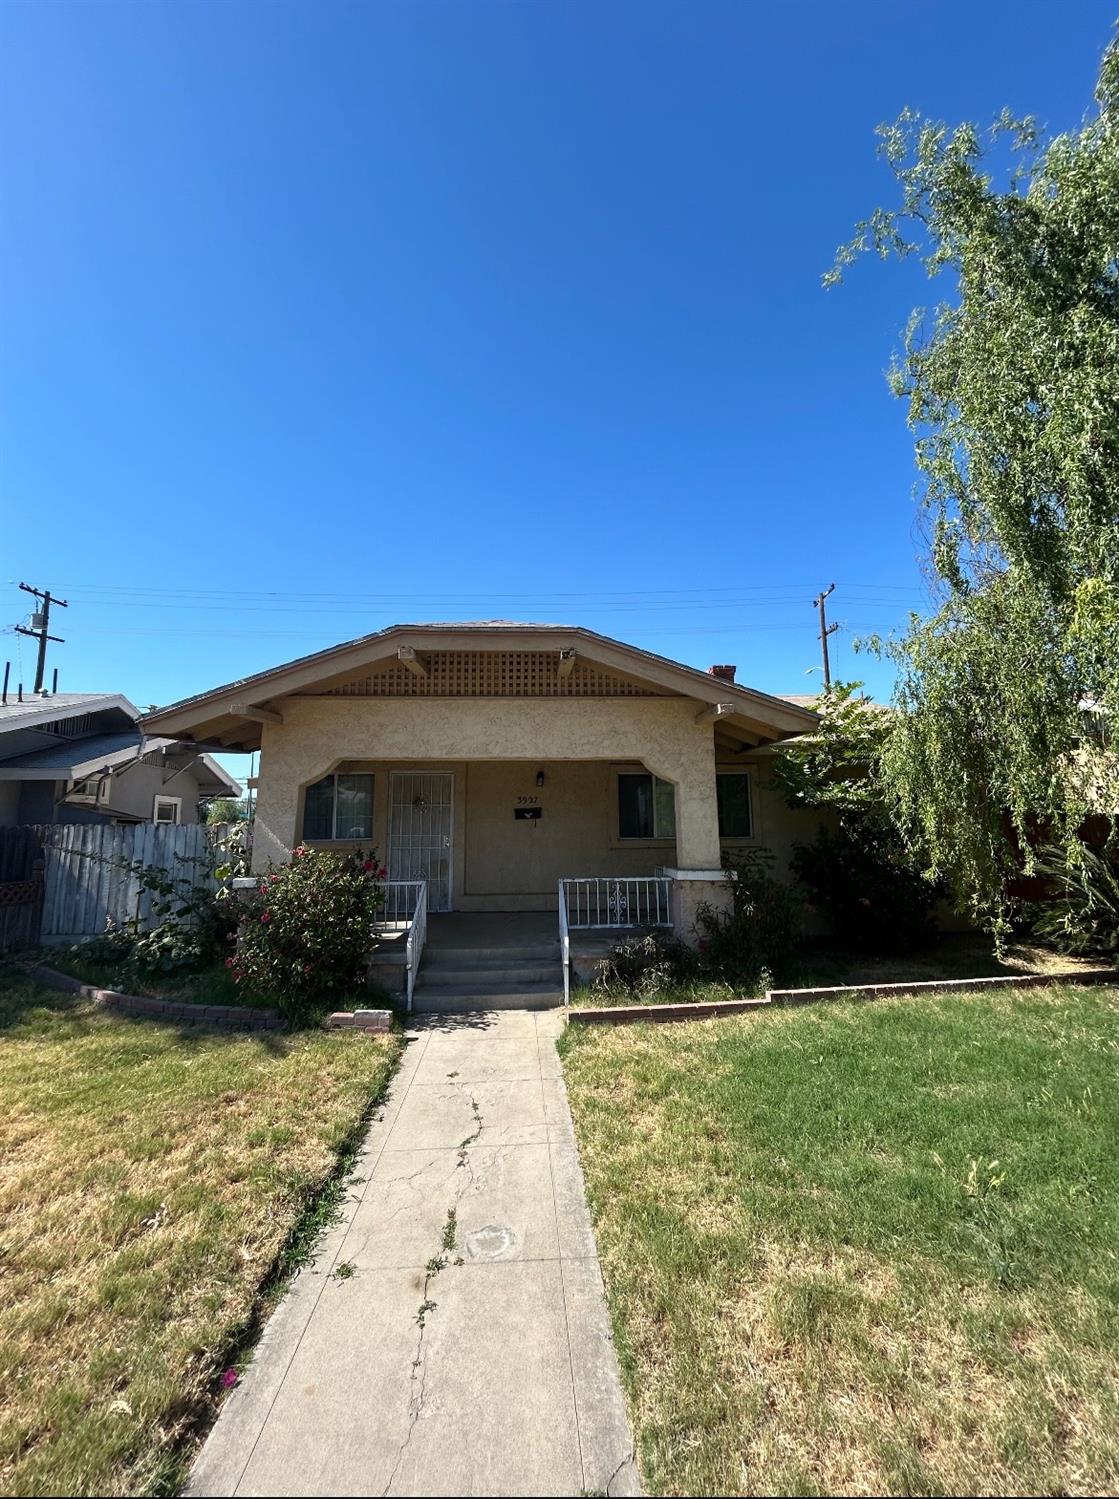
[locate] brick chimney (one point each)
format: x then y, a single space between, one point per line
724 673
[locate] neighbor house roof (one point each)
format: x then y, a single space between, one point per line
223 717
53 706
74 759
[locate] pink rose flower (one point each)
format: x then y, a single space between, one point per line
229 1379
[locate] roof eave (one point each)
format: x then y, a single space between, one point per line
203 714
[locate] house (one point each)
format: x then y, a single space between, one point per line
83 757
492 761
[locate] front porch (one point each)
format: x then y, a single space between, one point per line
449 961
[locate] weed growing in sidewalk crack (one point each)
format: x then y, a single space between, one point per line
449 1228
477 1131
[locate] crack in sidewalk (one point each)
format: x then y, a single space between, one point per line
435 1265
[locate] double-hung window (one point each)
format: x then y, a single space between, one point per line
339 807
646 806
732 791
167 809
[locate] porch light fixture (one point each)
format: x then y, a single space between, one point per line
540 778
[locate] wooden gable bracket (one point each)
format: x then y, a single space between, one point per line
714 711
258 715
408 658
566 664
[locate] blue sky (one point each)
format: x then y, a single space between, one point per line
321 316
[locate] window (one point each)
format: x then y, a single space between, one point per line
93 789
339 806
732 791
646 807
167 809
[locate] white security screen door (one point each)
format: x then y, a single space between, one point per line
420 822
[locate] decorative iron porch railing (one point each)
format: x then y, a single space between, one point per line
612 901
608 901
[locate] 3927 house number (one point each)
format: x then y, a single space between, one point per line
528 801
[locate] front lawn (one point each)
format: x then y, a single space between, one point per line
154 1185
863 1248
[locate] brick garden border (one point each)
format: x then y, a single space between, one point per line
714 1009
223 1017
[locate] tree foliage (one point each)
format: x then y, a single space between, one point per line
1012 387
858 870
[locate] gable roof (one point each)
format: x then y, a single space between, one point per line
38 711
218 717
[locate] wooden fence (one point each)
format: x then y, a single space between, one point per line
21 888
87 881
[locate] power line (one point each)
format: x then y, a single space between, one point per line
289 597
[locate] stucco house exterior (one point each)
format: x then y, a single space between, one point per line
82 757
494 760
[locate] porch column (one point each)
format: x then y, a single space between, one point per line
697 877
277 808
697 813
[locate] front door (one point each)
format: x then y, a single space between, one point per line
420 829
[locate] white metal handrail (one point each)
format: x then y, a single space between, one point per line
565 943
607 901
406 906
417 936
400 900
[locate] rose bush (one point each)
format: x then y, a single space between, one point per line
307 931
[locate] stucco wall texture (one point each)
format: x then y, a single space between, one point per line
319 733
494 750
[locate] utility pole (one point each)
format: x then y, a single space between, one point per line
40 629
825 631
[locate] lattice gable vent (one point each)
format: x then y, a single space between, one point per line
492 674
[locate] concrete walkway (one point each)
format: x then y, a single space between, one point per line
452 1337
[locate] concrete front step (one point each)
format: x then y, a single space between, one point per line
467 985
489 957
459 1001
524 976
479 976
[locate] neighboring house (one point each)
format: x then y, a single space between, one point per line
493 760
83 757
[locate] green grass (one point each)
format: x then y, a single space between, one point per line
158 1185
864 1247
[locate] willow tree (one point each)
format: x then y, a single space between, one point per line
1012 386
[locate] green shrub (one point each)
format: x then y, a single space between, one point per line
758 939
307 932
1082 915
864 884
644 966
192 930
224 809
